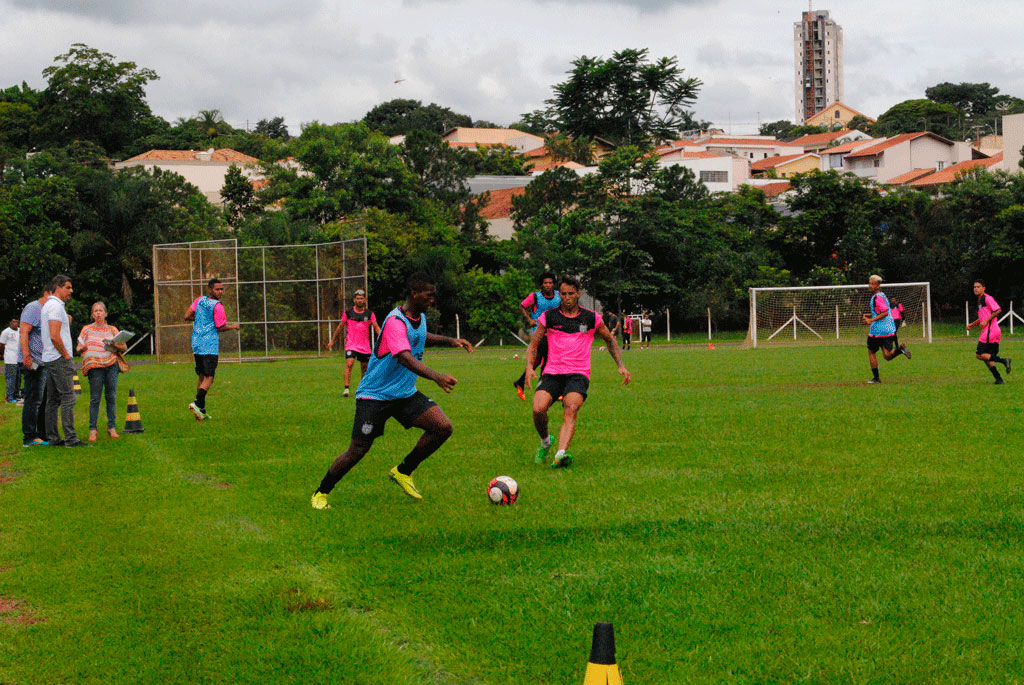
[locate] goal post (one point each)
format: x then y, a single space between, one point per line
832 314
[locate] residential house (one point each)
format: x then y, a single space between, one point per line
719 171
835 114
498 212
951 173
900 154
784 166
751 148
833 157
203 169
464 136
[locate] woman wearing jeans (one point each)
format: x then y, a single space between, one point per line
100 364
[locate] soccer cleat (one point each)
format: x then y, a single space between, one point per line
519 391
38 442
345 393
999 381
542 454
562 462
200 414
874 381
319 501
906 352
1006 363
74 443
405 482
206 416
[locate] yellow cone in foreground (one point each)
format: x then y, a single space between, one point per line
601 668
133 419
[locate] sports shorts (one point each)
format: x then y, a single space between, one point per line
877 342
561 384
361 356
371 415
645 336
206 364
987 348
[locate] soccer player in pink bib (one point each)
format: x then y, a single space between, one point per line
356 323
569 331
988 321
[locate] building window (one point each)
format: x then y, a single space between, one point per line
835 161
940 166
765 156
714 176
837 116
878 163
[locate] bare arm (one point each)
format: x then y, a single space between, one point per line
80 346
531 354
337 334
452 342
526 315
190 315
23 330
613 350
57 342
376 328
445 381
229 327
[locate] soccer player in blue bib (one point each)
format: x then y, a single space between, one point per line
209 320
535 304
388 389
882 331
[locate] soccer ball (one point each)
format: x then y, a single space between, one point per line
503 490
515 356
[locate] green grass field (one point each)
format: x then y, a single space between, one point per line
739 515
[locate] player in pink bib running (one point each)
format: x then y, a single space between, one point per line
356 323
569 331
988 321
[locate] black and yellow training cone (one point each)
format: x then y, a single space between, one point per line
133 419
601 669
78 385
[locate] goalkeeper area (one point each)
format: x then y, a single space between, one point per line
287 298
833 314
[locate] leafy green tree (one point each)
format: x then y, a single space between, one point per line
493 160
492 302
859 122
401 116
972 100
89 96
439 167
911 116
626 99
273 128
781 129
211 123
564 148
239 196
538 122
806 130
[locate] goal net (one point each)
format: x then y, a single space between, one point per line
287 298
822 314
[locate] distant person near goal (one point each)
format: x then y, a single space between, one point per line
570 330
988 342
645 330
627 330
209 320
532 307
355 323
882 331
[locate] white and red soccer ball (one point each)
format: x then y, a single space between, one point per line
503 490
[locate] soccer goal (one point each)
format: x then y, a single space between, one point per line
287 298
823 314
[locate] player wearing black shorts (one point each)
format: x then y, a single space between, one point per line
988 342
388 390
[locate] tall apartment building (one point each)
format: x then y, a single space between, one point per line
818 47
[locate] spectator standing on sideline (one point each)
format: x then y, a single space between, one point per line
33 413
645 329
613 323
627 331
59 363
99 364
12 371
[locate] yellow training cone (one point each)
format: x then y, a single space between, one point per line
601 669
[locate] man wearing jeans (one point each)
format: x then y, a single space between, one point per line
59 364
33 413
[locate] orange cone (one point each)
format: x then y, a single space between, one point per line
711 346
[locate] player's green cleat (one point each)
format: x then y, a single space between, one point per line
197 411
563 461
405 482
542 454
319 501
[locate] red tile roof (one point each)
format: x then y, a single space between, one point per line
895 140
551 165
951 173
457 143
911 175
818 138
541 151
222 155
773 189
499 205
772 162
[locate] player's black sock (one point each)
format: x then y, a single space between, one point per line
874 372
995 372
201 399
997 359
521 381
416 457
329 481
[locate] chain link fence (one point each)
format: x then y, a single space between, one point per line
287 298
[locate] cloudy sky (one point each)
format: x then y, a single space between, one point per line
494 59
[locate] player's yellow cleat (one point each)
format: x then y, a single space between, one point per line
319 501
405 482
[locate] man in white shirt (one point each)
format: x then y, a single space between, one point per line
59 364
12 371
645 330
